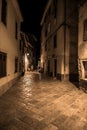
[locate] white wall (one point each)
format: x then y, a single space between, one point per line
0 8
82 45
8 43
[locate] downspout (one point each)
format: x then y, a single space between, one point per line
64 39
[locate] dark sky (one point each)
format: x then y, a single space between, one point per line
32 11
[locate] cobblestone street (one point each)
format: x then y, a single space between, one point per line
46 104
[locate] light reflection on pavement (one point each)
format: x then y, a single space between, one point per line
43 104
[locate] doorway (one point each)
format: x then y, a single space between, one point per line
55 67
48 67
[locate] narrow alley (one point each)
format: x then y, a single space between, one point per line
41 104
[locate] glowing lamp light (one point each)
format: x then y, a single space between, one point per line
26 60
27 54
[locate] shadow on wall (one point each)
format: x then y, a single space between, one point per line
73 56
83 66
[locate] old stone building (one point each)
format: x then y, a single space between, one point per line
10 56
59 39
28 51
82 43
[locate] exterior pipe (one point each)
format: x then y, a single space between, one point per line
64 39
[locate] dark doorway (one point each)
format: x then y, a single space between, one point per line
48 67
73 55
55 67
72 35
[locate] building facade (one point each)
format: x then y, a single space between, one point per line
59 40
10 56
28 51
82 43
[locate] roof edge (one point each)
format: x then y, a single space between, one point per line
45 11
17 9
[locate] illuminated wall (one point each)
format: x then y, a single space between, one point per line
82 45
9 45
61 61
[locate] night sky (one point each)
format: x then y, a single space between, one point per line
32 11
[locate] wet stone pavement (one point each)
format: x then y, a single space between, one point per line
46 104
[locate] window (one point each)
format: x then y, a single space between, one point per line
45 46
16 30
4 11
46 32
54 10
20 45
55 41
3 58
47 29
16 64
85 68
45 19
85 30
49 44
20 67
49 11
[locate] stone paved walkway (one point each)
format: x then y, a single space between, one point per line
33 104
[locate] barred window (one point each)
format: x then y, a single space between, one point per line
3 59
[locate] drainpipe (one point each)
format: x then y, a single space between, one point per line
64 39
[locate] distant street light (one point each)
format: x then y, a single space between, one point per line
27 54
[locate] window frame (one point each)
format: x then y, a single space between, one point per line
4 12
3 64
16 30
16 64
55 41
85 30
46 46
